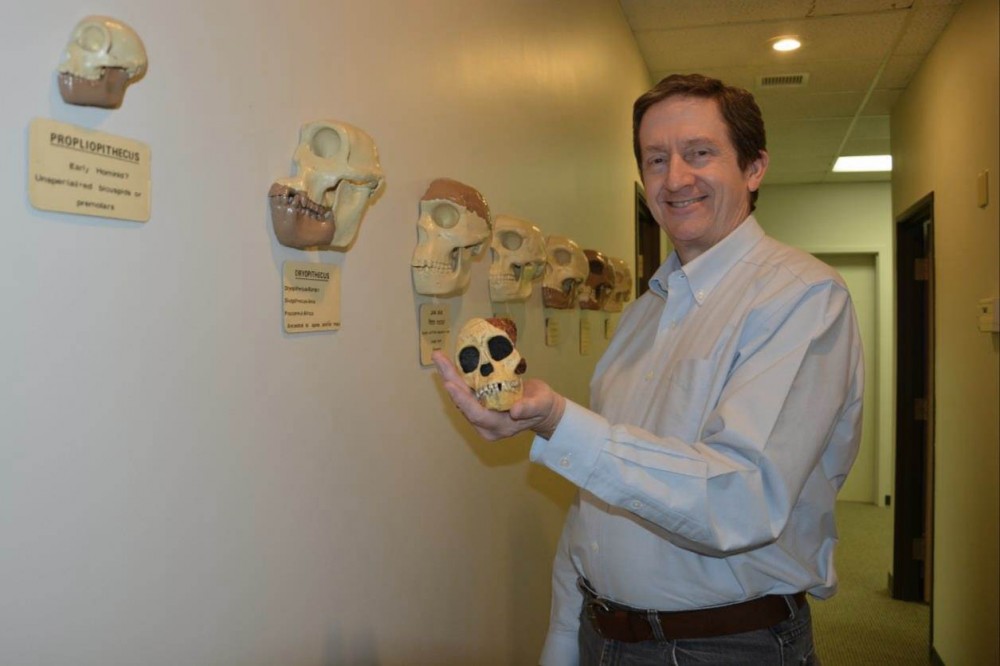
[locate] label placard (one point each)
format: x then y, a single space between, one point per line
551 332
76 170
435 327
311 297
584 336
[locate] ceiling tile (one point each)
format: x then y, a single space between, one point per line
899 70
856 146
924 29
824 39
659 15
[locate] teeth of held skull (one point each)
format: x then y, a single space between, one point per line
498 387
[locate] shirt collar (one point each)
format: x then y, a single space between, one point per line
706 270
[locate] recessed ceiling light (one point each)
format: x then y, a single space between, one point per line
860 163
786 44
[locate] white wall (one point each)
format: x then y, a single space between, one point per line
848 218
181 482
945 131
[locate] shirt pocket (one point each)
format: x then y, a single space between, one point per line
686 404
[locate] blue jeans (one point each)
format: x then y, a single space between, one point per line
787 643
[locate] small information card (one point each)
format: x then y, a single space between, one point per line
584 336
76 170
551 331
435 327
311 297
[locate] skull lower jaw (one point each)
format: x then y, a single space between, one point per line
299 222
106 92
560 299
500 396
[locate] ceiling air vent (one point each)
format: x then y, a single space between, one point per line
782 81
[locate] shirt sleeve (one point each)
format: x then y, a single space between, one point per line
561 644
735 489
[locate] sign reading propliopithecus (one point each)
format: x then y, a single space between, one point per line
76 170
311 297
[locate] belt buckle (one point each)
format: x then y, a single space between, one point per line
593 605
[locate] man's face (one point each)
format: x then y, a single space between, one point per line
694 186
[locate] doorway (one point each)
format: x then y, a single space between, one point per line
914 469
647 243
859 271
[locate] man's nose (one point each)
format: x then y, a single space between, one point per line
679 173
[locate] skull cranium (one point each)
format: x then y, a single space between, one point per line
489 361
596 289
453 228
518 251
103 57
621 293
565 270
336 173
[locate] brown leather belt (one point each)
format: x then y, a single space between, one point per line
631 625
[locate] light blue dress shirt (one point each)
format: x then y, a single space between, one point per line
726 413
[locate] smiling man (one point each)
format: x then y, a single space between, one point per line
724 417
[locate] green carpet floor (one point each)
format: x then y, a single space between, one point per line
862 624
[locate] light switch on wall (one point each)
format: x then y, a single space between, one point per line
989 315
983 189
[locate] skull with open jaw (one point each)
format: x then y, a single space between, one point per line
489 362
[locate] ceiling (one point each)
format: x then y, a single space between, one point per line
859 56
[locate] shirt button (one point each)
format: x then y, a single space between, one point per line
673 323
564 461
649 376
593 546
700 295
636 504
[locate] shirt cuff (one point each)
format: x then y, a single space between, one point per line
561 649
574 447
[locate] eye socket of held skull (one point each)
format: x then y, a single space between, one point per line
500 348
468 359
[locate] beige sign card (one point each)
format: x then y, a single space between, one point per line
610 324
76 170
584 336
552 331
435 327
312 297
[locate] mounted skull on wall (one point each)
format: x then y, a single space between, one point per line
565 269
489 361
596 289
518 259
335 175
622 291
453 228
103 57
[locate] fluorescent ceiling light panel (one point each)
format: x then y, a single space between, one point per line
786 44
861 163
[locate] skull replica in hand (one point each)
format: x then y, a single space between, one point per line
336 174
103 57
596 289
565 269
621 293
453 228
490 363
518 251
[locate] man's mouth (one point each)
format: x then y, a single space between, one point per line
684 203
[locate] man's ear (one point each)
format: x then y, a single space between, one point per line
755 171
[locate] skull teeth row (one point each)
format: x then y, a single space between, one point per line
298 201
498 387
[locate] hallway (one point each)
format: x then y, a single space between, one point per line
862 625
